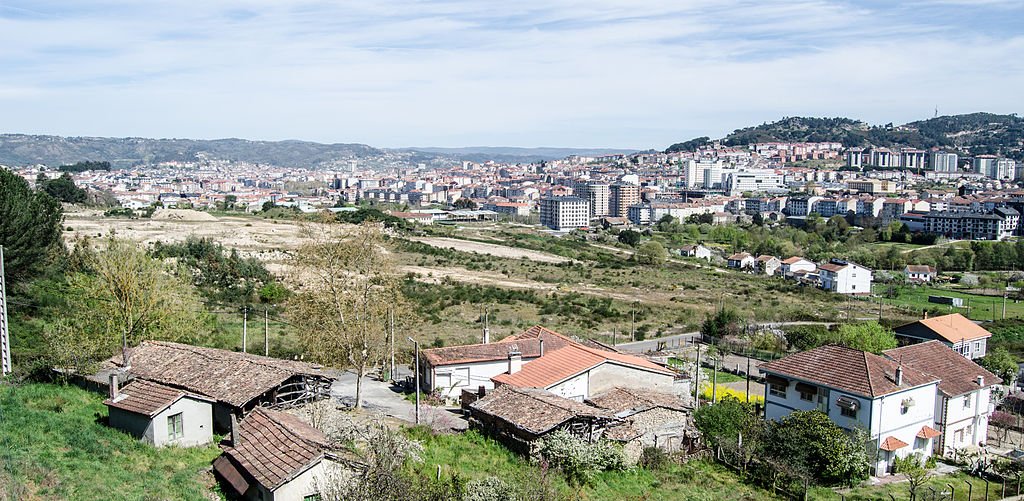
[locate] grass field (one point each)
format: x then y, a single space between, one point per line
54 445
915 300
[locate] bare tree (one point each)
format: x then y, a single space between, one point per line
348 288
382 454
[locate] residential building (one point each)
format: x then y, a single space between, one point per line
795 264
648 419
997 225
449 370
275 456
945 162
845 277
986 166
769 265
894 404
954 330
564 213
964 404
697 251
919 273
160 415
622 196
741 261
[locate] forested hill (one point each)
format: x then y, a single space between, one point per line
975 133
22 149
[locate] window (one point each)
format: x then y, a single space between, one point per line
967 402
777 390
311 497
175 427
850 413
806 396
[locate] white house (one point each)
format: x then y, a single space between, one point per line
959 333
797 264
576 372
741 261
845 277
919 273
964 405
769 265
160 415
451 369
894 404
697 251
275 456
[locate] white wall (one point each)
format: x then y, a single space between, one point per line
479 373
958 418
197 423
609 375
309 482
576 388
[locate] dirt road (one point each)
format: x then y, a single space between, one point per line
491 249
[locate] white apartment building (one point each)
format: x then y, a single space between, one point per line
845 277
945 162
564 213
754 180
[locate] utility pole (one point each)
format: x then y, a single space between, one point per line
266 332
748 379
696 382
391 314
632 325
5 337
880 309
245 328
714 379
1004 304
417 345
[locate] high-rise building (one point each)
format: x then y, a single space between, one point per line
985 165
564 213
598 195
622 196
944 162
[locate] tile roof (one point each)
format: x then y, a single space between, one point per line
526 343
620 399
845 369
739 256
568 361
832 267
953 327
892 443
919 268
959 374
147 398
928 432
228 376
275 447
534 410
793 260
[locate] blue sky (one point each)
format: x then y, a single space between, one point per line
585 73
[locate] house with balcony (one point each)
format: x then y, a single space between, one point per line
845 277
895 404
954 330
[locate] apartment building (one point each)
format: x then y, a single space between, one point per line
564 213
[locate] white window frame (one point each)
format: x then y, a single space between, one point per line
777 390
175 426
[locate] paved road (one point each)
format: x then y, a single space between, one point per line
688 338
389 400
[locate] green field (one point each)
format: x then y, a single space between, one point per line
914 300
54 445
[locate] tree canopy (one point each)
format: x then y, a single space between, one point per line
651 253
63 188
30 228
811 445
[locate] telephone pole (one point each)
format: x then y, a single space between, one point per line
391 315
266 332
5 339
245 328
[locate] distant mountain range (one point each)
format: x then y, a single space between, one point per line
22 149
970 134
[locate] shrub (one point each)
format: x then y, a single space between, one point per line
489 489
653 458
578 459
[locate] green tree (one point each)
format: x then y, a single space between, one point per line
723 422
30 228
867 336
464 203
810 443
63 189
806 337
724 322
651 253
1000 362
629 237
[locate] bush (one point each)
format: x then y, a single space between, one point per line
653 458
578 459
489 489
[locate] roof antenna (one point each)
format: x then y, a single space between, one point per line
936 111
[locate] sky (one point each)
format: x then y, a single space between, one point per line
561 73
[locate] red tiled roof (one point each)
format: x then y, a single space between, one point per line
739 256
832 267
793 260
955 328
623 399
566 362
928 432
848 370
147 398
919 268
892 443
534 410
958 373
275 447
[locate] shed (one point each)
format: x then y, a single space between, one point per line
161 415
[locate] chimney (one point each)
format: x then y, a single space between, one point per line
542 347
236 438
926 314
481 391
487 335
981 381
515 361
899 375
115 386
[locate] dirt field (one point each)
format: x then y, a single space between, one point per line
491 249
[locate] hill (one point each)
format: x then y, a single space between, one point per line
970 134
512 154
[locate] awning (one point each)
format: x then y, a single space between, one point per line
848 403
226 469
773 379
892 443
807 388
928 432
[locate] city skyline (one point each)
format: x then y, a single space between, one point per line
455 74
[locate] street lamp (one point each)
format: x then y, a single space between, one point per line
413 341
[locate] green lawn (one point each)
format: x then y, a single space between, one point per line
722 377
901 490
53 445
981 307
